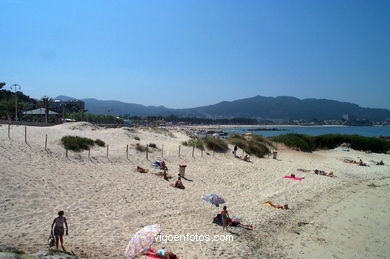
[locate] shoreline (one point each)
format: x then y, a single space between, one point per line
338 223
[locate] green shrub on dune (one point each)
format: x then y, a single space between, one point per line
296 141
77 144
100 142
252 145
140 148
216 144
197 142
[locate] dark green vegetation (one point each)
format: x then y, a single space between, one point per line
152 145
329 141
77 144
7 103
216 144
100 143
252 144
197 142
136 138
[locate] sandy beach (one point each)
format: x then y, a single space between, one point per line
106 202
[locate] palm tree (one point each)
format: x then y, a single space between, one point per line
45 102
2 84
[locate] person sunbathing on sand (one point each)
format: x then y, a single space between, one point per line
284 207
293 175
380 163
141 170
162 254
319 172
239 224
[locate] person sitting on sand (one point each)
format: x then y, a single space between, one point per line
58 224
247 158
284 207
162 254
179 184
361 163
225 217
163 166
141 170
380 163
166 176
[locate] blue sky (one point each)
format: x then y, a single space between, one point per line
191 53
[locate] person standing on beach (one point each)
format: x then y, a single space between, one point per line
235 150
225 217
58 224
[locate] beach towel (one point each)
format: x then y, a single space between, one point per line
294 178
269 205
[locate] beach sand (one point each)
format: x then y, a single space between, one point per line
355 224
106 202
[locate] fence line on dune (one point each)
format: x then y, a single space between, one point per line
148 153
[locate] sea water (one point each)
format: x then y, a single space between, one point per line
368 131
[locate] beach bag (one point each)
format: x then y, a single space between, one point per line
51 240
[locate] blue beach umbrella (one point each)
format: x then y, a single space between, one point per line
213 198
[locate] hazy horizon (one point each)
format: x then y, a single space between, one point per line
184 54
207 104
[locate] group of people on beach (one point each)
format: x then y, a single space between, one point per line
246 158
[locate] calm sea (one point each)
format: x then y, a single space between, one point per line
317 130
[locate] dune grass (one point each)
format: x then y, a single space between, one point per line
77 144
216 144
197 142
140 148
252 145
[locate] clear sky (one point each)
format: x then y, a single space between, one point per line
190 53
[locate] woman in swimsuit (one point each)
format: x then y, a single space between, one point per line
59 229
225 216
284 207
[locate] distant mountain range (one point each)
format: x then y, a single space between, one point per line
281 107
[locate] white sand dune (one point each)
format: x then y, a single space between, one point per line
106 202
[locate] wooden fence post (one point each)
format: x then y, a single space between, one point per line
46 143
127 151
162 151
66 153
179 151
107 150
9 130
25 134
193 150
89 153
147 152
